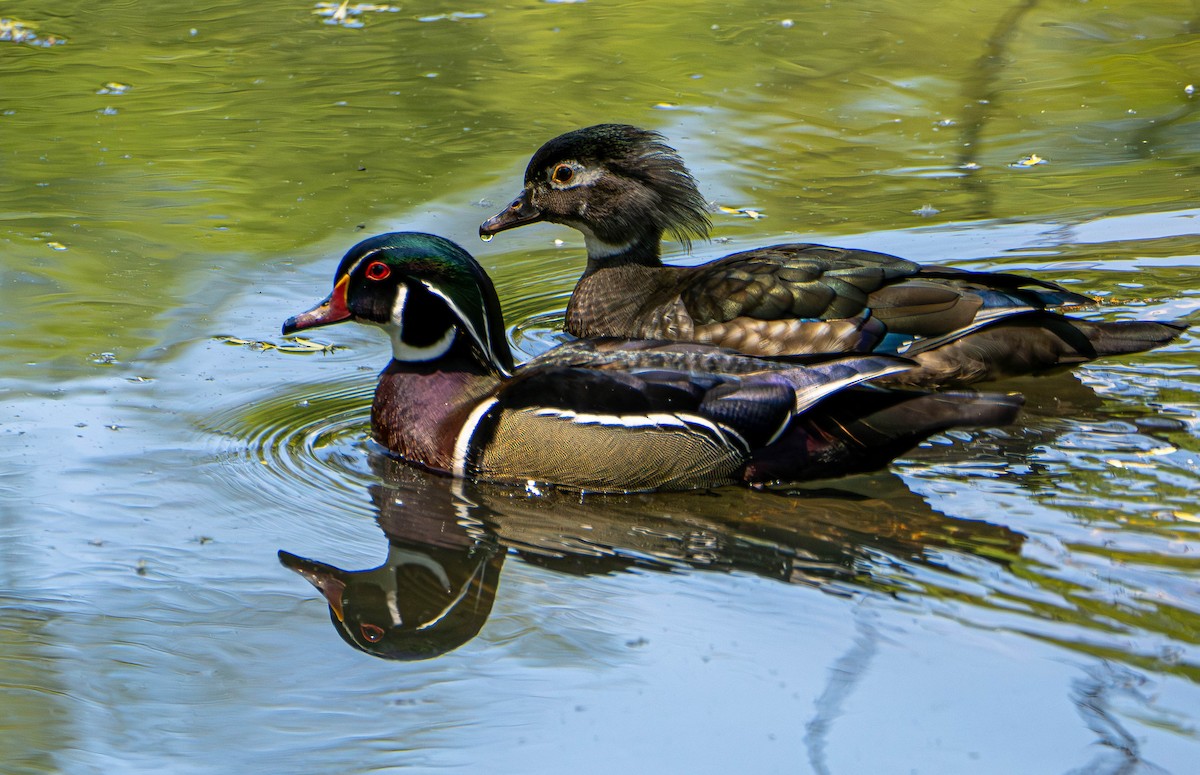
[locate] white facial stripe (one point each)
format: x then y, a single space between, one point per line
457 598
462 445
485 341
402 350
400 556
361 259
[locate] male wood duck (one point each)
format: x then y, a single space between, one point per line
609 415
623 187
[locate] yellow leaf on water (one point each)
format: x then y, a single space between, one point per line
743 212
1032 160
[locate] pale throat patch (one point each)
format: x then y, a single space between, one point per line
408 353
598 248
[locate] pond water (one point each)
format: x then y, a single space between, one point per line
177 179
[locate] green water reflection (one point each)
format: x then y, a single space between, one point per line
171 174
251 132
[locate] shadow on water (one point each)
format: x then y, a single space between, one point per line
448 539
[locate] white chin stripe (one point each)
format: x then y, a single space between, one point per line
405 352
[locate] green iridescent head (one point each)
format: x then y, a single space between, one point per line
424 289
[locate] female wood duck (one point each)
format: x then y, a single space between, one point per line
609 415
623 187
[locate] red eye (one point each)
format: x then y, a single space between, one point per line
377 270
371 633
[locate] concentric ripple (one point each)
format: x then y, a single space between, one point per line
534 335
308 443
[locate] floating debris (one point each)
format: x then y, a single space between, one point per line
666 106
296 344
17 31
1117 463
1189 90
456 16
926 211
56 246
971 166
1032 160
346 15
742 212
113 87
104 359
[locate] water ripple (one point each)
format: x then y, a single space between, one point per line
535 335
307 443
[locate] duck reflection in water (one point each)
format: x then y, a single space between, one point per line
433 592
447 541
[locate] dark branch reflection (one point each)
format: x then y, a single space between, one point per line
981 97
448 539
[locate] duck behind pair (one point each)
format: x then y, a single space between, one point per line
624 187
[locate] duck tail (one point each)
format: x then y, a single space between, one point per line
1027 343
1126 336
863 429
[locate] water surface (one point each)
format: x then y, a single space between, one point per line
1021 599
